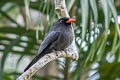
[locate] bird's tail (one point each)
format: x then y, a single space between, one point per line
36 58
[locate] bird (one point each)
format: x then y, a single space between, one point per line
58 38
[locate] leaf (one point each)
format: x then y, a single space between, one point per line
69 4
6 52
16 42
114 43
107 12
119 55
20 58
114 12
85 15
19 31
101 48
9 18
95 46
28 18
94 10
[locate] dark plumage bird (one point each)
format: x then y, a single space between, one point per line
59 38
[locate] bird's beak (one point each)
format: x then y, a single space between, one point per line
70 20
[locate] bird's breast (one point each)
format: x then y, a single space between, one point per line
64 40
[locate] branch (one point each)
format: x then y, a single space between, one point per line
61 11
43 61
70 52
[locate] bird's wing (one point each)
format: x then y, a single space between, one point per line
50 38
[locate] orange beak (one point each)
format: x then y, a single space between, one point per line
70 20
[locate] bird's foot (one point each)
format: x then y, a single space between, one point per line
54 51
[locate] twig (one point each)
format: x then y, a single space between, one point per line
66 70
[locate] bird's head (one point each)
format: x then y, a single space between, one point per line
66 20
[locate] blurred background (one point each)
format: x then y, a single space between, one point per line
24 24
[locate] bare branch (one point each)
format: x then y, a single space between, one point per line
43 61
61 9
